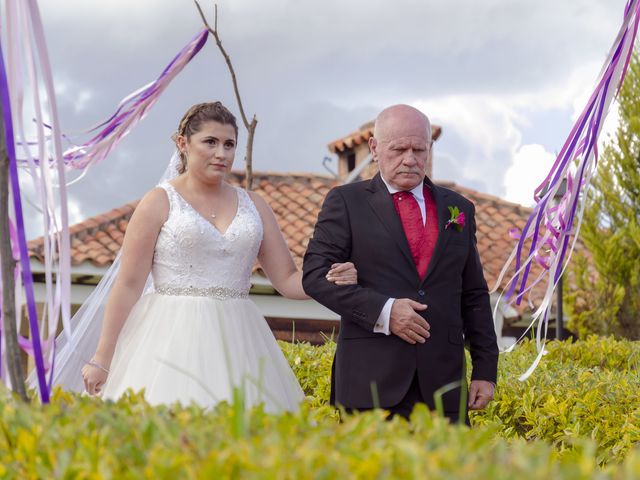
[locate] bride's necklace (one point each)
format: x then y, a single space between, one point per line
213 213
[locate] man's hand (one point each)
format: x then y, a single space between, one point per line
480 394
406 323
343 274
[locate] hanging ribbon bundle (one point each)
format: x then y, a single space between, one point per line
26 74
130 110
27 57
553 226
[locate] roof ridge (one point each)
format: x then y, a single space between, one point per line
271 173
486 196
93 224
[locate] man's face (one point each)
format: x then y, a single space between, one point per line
401 148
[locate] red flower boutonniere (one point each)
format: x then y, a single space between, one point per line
457 219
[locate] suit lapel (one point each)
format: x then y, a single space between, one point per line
440 198
382 205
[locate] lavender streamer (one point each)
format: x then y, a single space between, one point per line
22 242
556 227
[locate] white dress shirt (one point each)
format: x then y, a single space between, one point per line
382 324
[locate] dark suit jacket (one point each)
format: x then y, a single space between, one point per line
358 223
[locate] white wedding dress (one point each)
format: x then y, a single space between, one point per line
197 336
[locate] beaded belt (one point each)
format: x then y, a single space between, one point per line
218 293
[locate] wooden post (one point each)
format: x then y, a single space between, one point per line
13 354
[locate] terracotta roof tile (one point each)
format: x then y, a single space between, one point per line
96 240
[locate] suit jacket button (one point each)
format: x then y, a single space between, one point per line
421 293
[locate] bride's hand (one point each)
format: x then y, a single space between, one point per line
343 274
94 377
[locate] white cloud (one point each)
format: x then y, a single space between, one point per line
487 122
531 163
76 214
610 125
611 122
70 93
490 126
83 99
488 129
32 207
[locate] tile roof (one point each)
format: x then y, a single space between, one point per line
296 200
96 240
363 134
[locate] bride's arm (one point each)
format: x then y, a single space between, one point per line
276 261
137 255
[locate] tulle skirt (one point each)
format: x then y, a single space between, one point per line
198 349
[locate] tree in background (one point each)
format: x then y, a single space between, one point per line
605 298
250 126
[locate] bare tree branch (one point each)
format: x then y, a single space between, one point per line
8 264
250 126
227 59
215 16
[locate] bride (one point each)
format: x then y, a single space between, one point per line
196 337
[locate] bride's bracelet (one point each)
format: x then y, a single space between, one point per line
93 363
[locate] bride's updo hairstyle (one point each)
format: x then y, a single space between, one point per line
194 118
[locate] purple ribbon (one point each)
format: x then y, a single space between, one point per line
27 279
591 118
79 156
558 220
135 104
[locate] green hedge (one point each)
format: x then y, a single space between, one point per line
576 417
588 389
584 390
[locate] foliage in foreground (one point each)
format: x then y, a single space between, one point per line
582 390
576 417
80 438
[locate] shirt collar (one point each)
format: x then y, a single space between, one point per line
417 191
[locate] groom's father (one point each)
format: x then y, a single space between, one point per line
421 294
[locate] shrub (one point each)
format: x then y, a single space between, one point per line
576 417
587 389
582 390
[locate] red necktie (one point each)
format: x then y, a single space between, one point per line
421 238
413 226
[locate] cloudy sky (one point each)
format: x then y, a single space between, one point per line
504 78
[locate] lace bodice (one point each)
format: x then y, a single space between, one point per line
193 257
